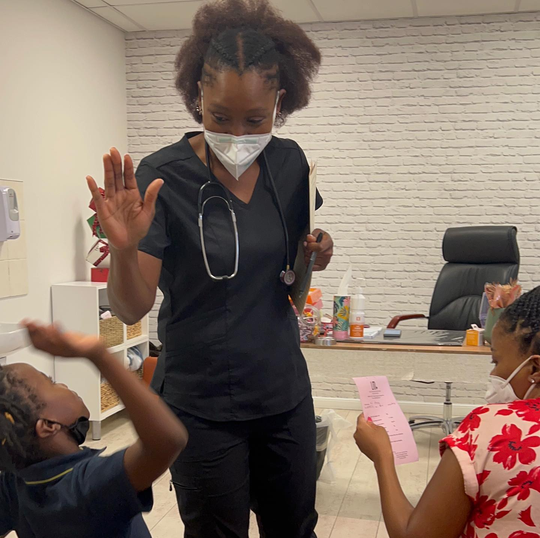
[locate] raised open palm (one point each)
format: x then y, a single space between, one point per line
123 215
51 339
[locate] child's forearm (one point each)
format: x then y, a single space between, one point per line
159 430
396 508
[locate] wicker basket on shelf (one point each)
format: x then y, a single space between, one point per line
133 331
109 398
112 331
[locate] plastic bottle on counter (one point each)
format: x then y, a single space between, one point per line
357 317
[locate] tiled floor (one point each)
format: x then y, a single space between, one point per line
348 508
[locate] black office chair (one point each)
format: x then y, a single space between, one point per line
474 255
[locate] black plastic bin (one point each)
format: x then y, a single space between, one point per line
323 432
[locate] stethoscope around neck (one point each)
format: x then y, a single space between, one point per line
287 276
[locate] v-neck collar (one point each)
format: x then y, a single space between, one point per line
207 172
241 203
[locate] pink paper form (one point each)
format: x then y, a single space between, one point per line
380 405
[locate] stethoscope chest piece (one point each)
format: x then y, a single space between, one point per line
288 277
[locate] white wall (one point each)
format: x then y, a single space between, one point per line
418 125
62 105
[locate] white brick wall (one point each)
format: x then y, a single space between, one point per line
417 125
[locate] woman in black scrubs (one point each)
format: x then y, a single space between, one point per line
223 213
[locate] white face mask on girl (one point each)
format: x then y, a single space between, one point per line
238 153
500 391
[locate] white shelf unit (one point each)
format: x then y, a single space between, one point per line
75 306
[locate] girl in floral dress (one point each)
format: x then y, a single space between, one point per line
487 484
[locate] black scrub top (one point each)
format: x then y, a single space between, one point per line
232 347
82 495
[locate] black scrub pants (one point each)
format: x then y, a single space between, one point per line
266 464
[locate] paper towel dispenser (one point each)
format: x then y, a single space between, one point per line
10 224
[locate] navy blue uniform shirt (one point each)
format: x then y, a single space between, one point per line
82 495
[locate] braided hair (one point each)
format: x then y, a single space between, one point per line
243 35
523 318
19 412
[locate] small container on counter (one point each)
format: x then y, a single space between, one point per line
325 341
342 305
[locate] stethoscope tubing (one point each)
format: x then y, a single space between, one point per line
212 180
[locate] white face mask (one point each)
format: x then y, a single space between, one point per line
238 153
500 391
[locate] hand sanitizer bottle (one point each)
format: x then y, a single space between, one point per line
357 317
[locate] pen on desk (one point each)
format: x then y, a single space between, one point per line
310 266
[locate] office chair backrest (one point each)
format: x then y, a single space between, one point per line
474 255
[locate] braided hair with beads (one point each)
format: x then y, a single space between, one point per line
522 317
19 412
247 35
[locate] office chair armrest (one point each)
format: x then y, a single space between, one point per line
396 319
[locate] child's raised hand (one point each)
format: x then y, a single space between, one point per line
52 340
373 441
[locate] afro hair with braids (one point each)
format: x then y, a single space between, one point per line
19 412
522 317
242 35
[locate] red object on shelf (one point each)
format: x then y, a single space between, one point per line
99 275
149 365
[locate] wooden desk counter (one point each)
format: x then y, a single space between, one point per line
367 346
332 369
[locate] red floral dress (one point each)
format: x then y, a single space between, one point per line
498 450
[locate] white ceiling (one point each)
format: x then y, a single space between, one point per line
136 15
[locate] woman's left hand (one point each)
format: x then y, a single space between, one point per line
324 249
373 441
